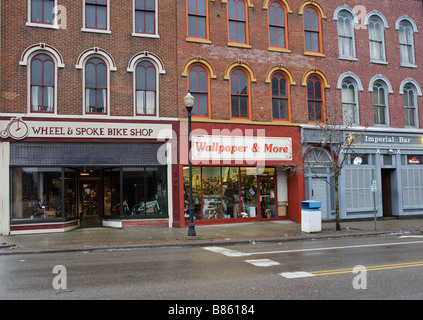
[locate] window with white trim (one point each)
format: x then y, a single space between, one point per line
42 85
145 18
350 110
377 39
346 41
410 105
406 41
380 103
96 16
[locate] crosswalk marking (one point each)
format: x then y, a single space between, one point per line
263 262
227 252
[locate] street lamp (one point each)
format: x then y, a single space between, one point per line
189 103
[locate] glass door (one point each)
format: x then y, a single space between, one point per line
267 197
90 192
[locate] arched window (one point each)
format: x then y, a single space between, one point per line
277 25
280 102
96 86
406 41
145 88
315 99
380 103
237 16
346 39
239 94
350 102
377 39
410 105
312 30
42 85
198 87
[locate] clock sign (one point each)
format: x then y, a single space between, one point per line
16 129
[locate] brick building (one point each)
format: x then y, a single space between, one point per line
373 61
249 64
87 113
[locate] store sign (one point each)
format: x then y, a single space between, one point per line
389 139
232 148
18 129
413 160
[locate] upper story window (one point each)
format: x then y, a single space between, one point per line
146 88
237 15
350 111
406 28
145 20
42 11
42 86
376 24
280 101
315 99
239 94
380 103
96 16
96 86
198 87
277 25
197 19
312 30
410 105
346 40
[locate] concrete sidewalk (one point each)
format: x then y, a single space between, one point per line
139 237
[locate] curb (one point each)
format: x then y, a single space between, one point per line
190 242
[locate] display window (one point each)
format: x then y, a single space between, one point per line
37 193
231 192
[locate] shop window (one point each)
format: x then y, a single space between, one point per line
95 86
315 99
197 19
146 88
145 17
223 192
144 192
42 11
70 192
239 94
36 193
198 87
237 15
42 83
277 25
112 192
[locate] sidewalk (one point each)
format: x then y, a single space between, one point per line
139 237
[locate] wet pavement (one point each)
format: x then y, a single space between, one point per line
225 234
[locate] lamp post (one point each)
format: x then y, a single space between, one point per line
189 103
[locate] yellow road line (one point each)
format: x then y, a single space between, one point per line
370 268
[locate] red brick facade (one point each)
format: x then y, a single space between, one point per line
366 70
71 42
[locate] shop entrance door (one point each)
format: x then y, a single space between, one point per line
90 202
267 197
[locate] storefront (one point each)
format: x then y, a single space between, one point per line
241 173
68 174
392 158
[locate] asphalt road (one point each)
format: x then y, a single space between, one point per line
391 268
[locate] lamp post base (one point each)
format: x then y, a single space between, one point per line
191 230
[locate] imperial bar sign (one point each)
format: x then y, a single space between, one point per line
231 148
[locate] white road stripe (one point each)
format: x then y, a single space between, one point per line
263 262
298 274
227 252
